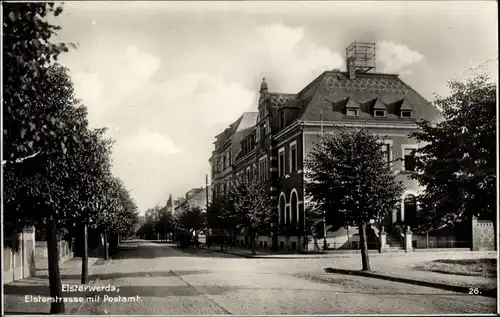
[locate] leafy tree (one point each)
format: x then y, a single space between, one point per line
41 190
349 180
252 203
457 165
28 52
221 215
165 222
192 218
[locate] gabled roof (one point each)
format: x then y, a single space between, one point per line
378 105
405 105
336 87
245 128
351 104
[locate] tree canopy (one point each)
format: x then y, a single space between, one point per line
457 164
30 121
349 179
350 182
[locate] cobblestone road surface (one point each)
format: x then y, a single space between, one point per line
170 281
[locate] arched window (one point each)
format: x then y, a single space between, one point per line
293 208
281 207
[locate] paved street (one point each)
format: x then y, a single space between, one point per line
170 281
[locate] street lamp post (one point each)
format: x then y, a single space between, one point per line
324 232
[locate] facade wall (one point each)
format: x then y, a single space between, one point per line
19 263
247 165
290 187
199 199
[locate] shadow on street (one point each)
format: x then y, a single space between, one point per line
141 249
111 276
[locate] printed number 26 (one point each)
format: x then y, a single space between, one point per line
474 291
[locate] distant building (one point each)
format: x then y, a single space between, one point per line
227 146
196 197
170 204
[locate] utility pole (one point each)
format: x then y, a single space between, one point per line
324 232
206 189
324 212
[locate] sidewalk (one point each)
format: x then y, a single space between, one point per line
392 266
16 293
283 254
408 273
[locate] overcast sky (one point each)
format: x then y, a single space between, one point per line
166 77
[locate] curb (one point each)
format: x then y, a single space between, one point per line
326 256
447 287
247 256
271 257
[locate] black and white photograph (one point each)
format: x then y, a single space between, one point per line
249 157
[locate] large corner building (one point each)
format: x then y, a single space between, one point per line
272 143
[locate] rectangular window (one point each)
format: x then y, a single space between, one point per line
386 150
293 158
406 114
379 113
262 169
248 174
263 131
266 169
352 112
408 160
224 162
281 162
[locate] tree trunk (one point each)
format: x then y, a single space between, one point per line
364 247
427 240
252 241
274 242
85 256
222 239
57 307
106 254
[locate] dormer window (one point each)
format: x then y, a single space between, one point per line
405 114
379 109
406 111
352 112
351 108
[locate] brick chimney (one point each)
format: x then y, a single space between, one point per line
351 68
